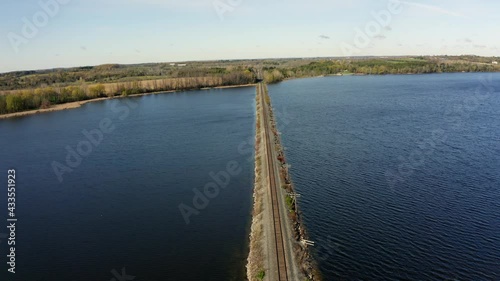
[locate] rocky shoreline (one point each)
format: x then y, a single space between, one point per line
304 258
258 263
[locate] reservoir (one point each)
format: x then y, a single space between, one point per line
399 175
116 209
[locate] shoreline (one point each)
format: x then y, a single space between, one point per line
300 251
77 104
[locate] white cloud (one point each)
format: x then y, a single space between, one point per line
432 8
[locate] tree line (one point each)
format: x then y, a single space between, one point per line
44 97
374 67
109 73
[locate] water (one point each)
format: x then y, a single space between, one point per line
438 217
119 208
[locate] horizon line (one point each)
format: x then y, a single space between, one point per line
249 59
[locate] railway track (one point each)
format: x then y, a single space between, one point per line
278 231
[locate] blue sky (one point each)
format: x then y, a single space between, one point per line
92 32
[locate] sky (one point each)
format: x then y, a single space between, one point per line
41 34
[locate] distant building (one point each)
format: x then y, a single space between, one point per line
181 64
172 64
494 63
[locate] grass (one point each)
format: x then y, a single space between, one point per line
261 275
289 202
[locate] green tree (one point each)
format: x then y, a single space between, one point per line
97 91
77 93
14 103
3 105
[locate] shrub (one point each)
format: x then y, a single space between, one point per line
97 91
14 103
77 93
3 105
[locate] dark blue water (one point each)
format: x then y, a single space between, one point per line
120 207
399 175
